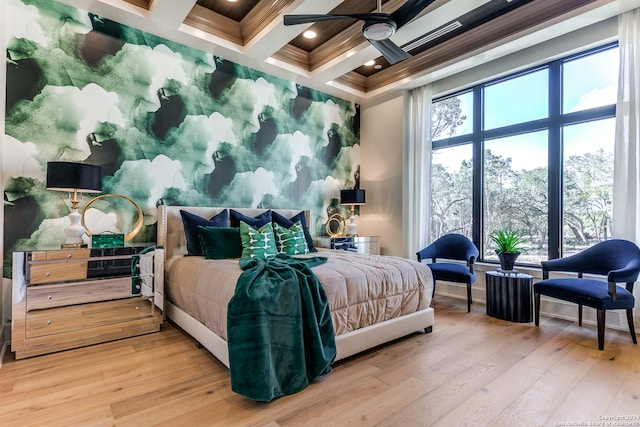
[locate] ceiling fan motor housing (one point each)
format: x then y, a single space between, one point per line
379 30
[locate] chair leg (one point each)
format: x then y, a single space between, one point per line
433 291
536 297
469 301
580 315
601 320
632 329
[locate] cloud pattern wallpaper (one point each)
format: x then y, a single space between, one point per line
168 124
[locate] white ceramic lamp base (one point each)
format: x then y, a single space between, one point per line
352 227
74 231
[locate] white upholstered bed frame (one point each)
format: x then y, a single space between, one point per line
171 237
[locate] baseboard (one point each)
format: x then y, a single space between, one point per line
550 307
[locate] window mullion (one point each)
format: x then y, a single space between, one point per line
555 160
478 168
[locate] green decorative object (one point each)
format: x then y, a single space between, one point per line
290 241
257 242
107 240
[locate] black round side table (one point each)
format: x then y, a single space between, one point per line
510 296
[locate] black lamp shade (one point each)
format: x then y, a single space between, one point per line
352 197
70 176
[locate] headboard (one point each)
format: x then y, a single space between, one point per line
171 231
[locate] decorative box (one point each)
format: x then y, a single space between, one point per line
107 240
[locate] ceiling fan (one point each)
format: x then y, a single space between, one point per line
378 26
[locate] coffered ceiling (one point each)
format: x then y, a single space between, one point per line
252 33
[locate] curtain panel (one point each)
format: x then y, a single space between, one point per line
416 186
626 180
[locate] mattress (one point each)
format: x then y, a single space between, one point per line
362 289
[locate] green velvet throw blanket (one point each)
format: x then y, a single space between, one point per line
279 328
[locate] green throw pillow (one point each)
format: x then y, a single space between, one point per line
290 241
257 242
220 242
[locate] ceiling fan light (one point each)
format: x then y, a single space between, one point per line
379 30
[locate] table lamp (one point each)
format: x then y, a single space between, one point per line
74 178
352 197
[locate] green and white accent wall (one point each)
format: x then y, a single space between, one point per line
168 124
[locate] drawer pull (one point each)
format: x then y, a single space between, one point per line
47 274
137 308
68 255
48 322
49 297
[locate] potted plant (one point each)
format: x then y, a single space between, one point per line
507 247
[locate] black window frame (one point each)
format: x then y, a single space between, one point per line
553 124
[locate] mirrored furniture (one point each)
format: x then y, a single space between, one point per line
362 244
68 298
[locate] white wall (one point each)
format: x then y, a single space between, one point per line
381 159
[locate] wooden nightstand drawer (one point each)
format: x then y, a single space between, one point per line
58 266
74 318
58 295
56 255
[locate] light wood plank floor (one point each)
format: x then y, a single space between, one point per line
472 370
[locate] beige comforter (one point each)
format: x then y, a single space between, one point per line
362 289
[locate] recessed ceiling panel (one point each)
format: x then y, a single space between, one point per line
233 10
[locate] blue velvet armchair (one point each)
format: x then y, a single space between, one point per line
452 247
618 260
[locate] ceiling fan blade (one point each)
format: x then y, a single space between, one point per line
409 10
307 19
390 51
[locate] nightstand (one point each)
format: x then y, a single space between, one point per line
362 244
68 298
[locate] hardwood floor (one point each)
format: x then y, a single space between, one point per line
471 370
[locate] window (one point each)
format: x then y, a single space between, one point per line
531 152
453 116
451 184
504 101
515 192
587 184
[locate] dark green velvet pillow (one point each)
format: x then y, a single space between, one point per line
220 242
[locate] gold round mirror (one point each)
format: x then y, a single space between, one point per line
138 224
336 225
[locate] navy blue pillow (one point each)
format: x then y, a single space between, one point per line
191 232
257 222
288 222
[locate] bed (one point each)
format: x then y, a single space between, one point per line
394 303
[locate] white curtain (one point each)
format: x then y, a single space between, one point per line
626 179
416 173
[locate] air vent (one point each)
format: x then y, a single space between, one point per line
432 36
